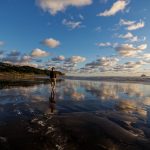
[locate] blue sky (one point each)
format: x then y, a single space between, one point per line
81 37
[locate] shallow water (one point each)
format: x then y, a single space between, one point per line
77 115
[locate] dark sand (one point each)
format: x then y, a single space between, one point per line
76 131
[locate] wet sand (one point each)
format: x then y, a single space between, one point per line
76 131
86 115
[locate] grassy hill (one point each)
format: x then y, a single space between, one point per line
14 71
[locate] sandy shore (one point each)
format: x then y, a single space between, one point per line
86 116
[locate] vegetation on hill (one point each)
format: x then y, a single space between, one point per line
8 68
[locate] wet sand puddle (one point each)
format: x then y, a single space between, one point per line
77 115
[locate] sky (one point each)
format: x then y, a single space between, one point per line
78 37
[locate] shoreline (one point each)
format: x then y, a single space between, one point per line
144 80
36 79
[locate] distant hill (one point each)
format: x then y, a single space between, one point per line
8 68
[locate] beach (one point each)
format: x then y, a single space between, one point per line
80 114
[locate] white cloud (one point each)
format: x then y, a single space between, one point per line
54 6
66 64
131 47
103 62
39 53
128 50
125 53
15 58
26 58
134 39
133 65
58 58
119 5
75 59
136 26
145 57
72 24
107 44
129 36
126 22
142 47
129 66
52 43
126 36
132 25
12 57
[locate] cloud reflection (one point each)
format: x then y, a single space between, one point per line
124 97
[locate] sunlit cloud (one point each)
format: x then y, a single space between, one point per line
39 53
65 64
125 53
129 66
136 26
103 62
119 5
144 57
26 58
70 64
72 24
133 65
52 43
75 59
58 58
16 58
128 50
132 25
126 36
54 6
126 22
129 36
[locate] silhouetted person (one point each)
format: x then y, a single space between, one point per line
52 101
53 78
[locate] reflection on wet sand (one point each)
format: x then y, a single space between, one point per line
106 90
90 115
52 101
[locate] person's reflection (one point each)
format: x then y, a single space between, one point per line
52 101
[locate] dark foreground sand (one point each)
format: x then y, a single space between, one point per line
75 131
